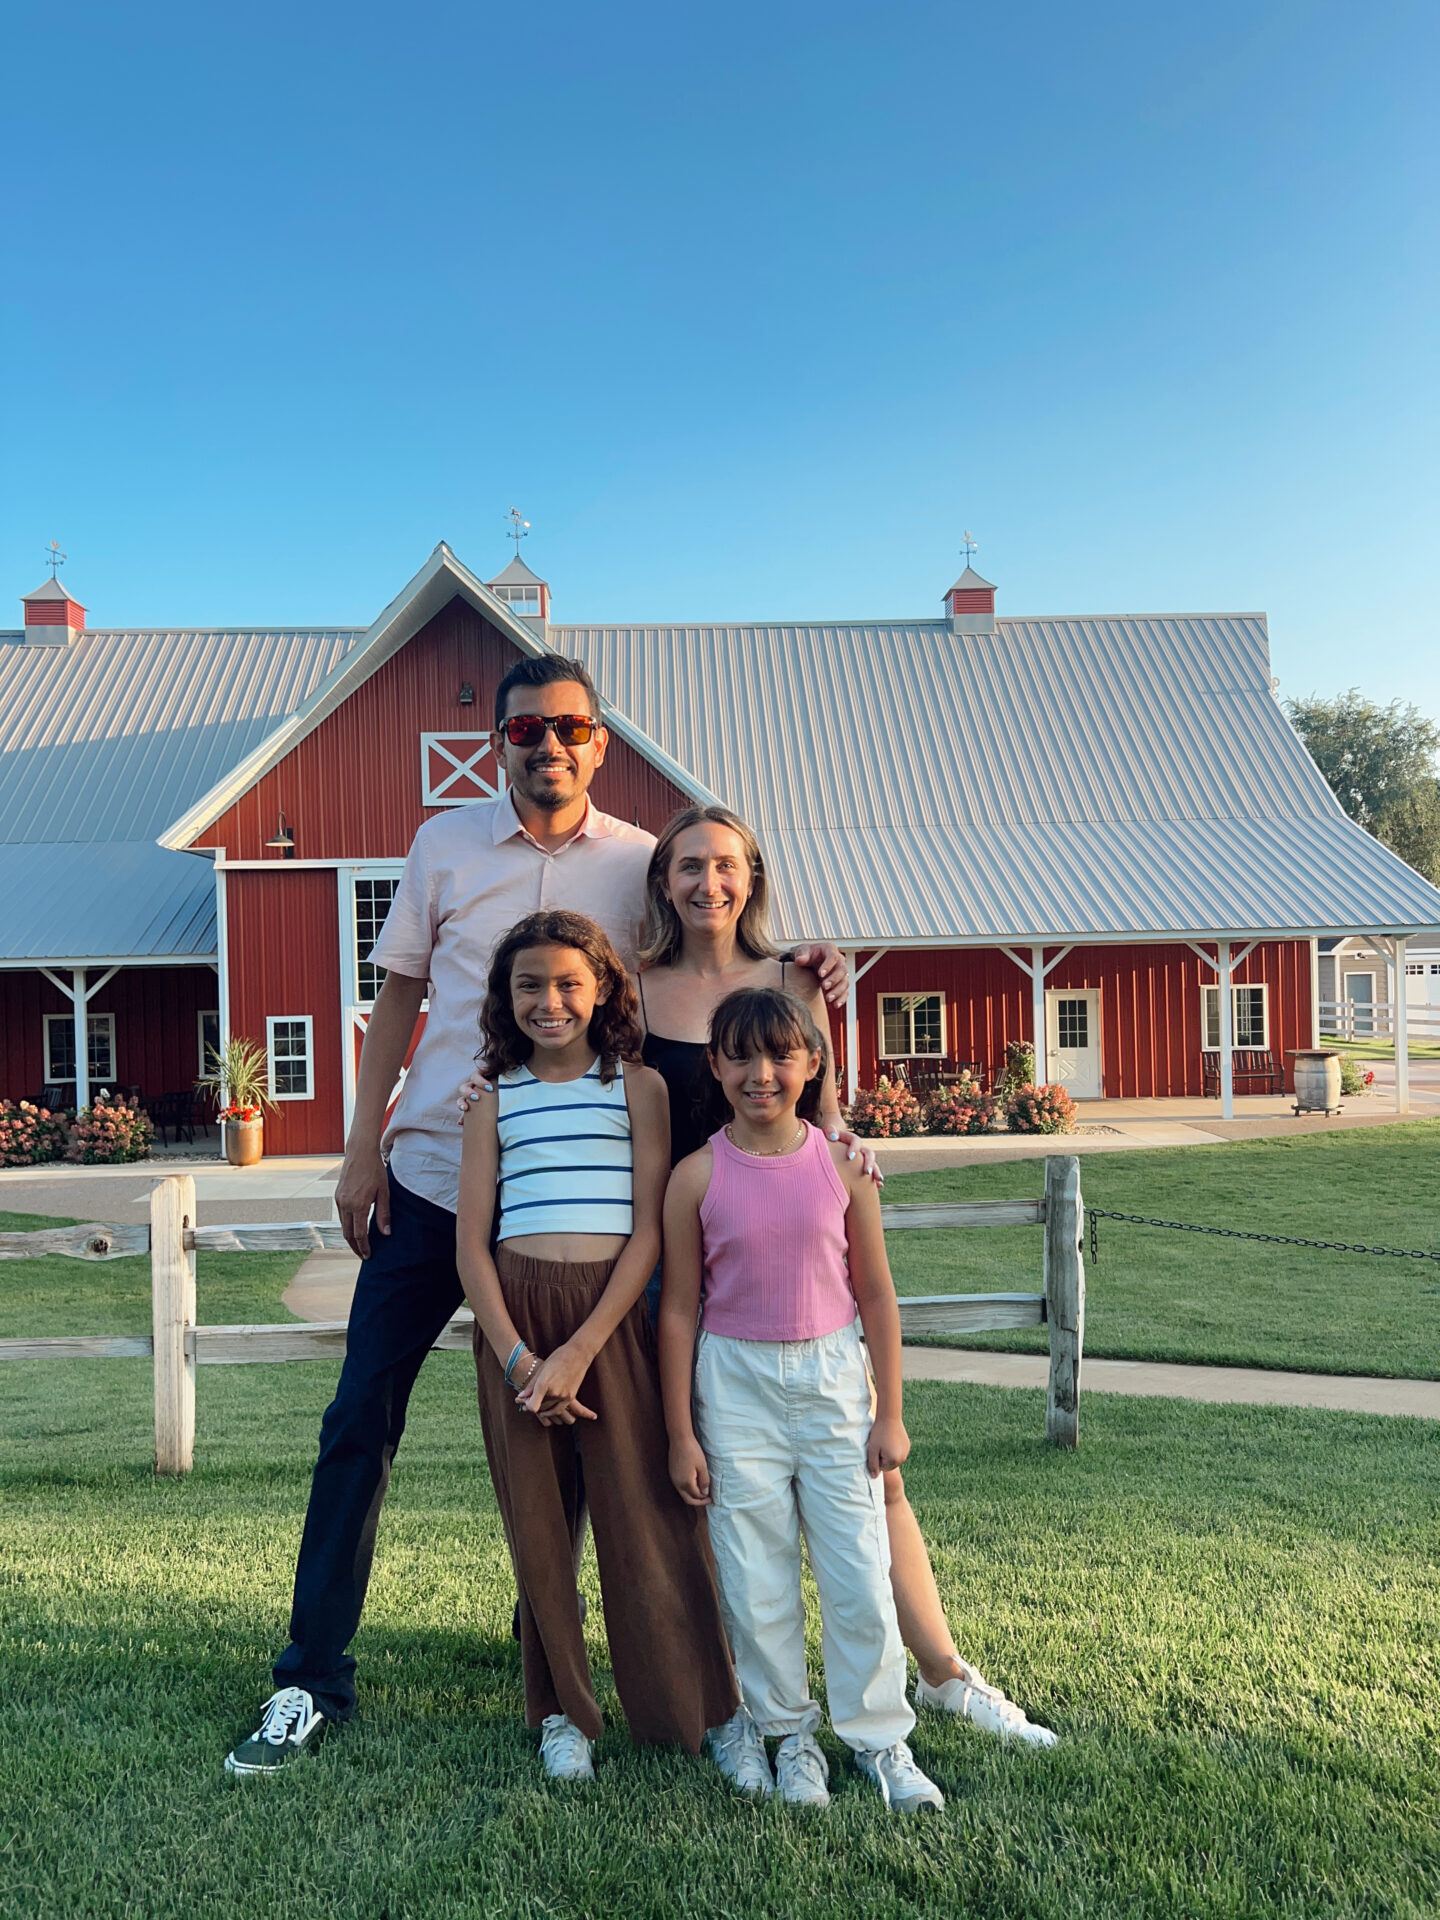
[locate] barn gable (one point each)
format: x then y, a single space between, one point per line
400 728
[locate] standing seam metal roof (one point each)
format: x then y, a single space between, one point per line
106 741
1109 777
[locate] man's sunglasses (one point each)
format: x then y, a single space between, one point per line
528 729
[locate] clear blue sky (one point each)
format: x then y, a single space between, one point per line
752 309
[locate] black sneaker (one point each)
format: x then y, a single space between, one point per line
292 1725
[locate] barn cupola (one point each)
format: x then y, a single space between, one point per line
970 604
525 593
53 618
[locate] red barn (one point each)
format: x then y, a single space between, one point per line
1078 829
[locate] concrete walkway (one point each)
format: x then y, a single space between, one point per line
1232 1386
322 1289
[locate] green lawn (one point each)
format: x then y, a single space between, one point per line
1373 1049
56 1295
1179 1296
1230 1615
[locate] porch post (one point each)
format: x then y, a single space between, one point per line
1315 993
1037 1014
1400 1021
80 1000
852 1028
1227 1030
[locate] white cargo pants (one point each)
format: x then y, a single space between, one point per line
784 1426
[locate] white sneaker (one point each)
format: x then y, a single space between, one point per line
801 1771
564 1750
901 1783
987 1706
738 1750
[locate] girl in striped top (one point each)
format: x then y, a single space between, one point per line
566 1161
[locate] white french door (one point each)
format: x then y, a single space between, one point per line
1072 1040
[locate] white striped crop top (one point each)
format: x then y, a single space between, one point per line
565 1156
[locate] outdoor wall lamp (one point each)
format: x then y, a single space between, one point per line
467 694
284 840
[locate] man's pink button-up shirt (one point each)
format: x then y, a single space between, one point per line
471 874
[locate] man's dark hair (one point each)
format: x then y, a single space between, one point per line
543 671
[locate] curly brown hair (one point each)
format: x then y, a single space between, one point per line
614 1030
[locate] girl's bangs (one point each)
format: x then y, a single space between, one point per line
762 1021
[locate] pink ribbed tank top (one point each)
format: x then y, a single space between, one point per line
774 1240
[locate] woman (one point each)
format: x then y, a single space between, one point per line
707 933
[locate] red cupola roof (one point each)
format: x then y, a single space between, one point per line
51 607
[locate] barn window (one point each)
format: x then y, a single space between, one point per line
911 1024
372 903
60 1047
288 1043
1251 1008
207 1026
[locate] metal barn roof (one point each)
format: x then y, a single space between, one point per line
1097 778
107 740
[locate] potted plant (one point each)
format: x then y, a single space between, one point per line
239 1084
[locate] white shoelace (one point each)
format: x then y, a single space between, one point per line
562 1741
802 1766
898 1765
284 1712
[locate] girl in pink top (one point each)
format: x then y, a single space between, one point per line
773 1240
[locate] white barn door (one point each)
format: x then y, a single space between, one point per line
1072 1040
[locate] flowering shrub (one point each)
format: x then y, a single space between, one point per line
1353 1078
885 1111
1040 1110
29 1135
107 1134
961 1108
1019 1068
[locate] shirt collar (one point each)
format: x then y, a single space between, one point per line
506 823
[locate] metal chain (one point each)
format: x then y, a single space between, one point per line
1096 1214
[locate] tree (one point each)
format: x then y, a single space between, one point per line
1380 765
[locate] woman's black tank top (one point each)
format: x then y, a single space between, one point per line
682 1065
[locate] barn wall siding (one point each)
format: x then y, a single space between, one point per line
157 1035
1149 1007
351 789
285 960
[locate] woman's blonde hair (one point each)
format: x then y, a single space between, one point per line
662 935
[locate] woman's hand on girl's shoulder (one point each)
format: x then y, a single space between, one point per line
854 1150
472 1089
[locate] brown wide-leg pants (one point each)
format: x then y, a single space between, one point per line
662 1610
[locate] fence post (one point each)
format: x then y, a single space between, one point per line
172 1313
1064 1296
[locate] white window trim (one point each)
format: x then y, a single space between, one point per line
272 1020
349 926
200 1018
68 1079
911 993
1211 988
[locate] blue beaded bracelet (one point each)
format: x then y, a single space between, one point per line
515 1353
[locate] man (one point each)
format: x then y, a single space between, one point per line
472 872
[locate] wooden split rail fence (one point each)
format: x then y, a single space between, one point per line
177 1345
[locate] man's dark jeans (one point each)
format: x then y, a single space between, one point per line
407 1290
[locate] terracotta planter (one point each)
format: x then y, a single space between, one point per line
244 1141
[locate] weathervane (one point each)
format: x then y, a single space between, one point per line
518 528
55 558
971 546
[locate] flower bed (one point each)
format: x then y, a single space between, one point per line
107 1134
29 1135
961 1107
1040 1110
887 1111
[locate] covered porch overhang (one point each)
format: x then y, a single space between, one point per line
80 978
1036 956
